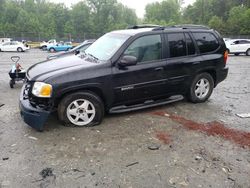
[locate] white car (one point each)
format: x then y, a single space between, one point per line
44 44
238 46
13 46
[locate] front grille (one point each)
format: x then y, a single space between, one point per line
26 91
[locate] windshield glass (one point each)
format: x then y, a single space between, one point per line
106 46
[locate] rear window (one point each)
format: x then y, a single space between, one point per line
206 42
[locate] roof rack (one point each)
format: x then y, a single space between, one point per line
143 26
185 26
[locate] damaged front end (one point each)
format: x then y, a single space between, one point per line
34 111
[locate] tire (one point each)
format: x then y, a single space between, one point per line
72 110
19 49
201 88
0 50
12 83
247 52
44 47
52 50
237 54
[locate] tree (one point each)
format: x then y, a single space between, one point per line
217 24
167 11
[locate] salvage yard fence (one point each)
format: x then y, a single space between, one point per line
38 37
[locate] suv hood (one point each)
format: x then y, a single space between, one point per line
43 70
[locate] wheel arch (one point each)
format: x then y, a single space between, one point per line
212 72
95 90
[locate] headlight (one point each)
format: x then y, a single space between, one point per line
41 89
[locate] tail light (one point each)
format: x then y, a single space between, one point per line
225 56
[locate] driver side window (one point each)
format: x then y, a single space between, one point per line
146 48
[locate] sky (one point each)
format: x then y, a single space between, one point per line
138 5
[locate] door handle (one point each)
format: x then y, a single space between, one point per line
158 68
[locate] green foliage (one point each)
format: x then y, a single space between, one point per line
165 11
226 16
92 18
86 19
217 24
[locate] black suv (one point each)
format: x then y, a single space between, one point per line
125 70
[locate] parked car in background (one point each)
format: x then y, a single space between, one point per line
13 46
226 39
44 44
238 46
59 47
3 40
123 71
76 50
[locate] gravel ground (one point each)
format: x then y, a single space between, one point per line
176 145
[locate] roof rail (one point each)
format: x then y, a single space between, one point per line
185 26
143 26
191 26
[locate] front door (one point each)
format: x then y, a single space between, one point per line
144 80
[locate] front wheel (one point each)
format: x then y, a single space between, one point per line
52 50
81 109
19 49
201 88
248 52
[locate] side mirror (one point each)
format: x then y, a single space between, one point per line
128 60
77 52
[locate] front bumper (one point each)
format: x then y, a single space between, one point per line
221 75
34 117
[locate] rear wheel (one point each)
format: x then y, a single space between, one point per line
19 49
201 88
44 47
247 52
81 109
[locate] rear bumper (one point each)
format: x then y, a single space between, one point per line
221 75
34 117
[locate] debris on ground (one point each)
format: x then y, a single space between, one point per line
198 158
5 158
46 173
154 147
32 137
132 164
1 104
246 115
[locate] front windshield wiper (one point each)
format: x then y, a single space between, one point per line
93 56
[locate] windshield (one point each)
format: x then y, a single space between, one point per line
106 46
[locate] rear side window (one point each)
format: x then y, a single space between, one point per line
206 42
177 44
180 44
190 45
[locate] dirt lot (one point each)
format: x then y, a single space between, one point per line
176 145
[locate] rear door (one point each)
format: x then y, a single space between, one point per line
147 78
181 61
